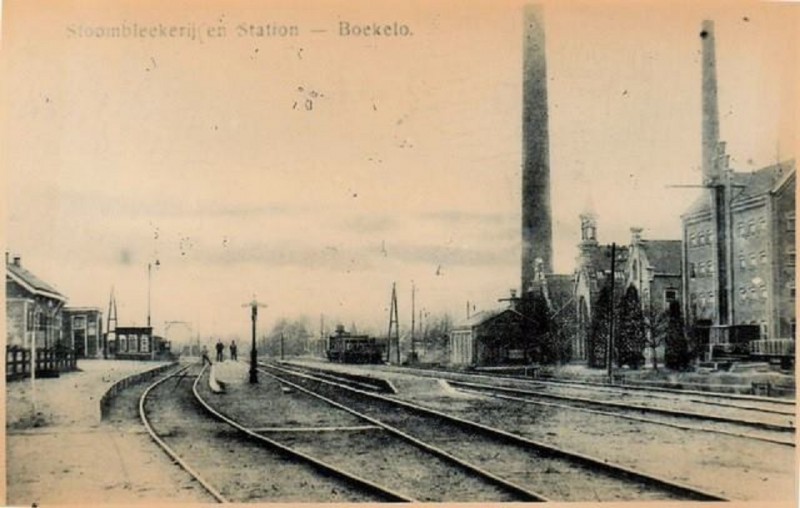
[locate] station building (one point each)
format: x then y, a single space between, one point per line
34 308
83 331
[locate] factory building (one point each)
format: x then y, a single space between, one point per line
759 267
738 246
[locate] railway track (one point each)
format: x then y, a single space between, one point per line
554 473
764 431
244 465
774 415
364 448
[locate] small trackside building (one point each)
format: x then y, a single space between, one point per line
83 331
488 338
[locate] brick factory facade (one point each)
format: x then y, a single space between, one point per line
760 242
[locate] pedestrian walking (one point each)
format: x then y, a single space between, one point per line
204 353
233 351
220 349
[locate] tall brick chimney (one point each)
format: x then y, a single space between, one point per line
537 234
710 104
714 165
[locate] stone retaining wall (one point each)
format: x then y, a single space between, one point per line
113 390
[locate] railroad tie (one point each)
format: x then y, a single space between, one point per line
352 428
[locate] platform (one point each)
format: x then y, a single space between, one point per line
64 454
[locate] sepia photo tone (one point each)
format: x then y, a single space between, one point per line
419 252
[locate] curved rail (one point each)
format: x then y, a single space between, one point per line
167 449
380 491
610 467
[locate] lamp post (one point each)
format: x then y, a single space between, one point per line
254 305
149 284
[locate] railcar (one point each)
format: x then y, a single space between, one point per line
344 347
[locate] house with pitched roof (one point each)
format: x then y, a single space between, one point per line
33 308
654 270
488 338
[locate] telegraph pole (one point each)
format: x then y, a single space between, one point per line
254 305
413 292
393 325
611 311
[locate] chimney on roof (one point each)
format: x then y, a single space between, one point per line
7 257
17 261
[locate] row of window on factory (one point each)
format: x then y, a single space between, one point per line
746 292
743 229
751 261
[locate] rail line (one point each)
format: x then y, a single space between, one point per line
380 491
751 404
560 469
353 482
618 411
167 449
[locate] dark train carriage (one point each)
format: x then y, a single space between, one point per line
344 347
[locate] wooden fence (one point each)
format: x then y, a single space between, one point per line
49 362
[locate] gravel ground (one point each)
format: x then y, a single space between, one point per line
75 458
737 468
554 478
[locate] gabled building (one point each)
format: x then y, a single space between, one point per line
654 269
592 273
33 308
758 265
488 338
83 331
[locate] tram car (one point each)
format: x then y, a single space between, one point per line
344 347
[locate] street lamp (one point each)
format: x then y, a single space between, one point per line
254 305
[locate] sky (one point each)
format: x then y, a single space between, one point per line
315 171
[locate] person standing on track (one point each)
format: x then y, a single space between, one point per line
233 351
204 354
220 349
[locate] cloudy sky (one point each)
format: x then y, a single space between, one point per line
204 156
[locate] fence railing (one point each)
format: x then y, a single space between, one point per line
772 347
48 361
